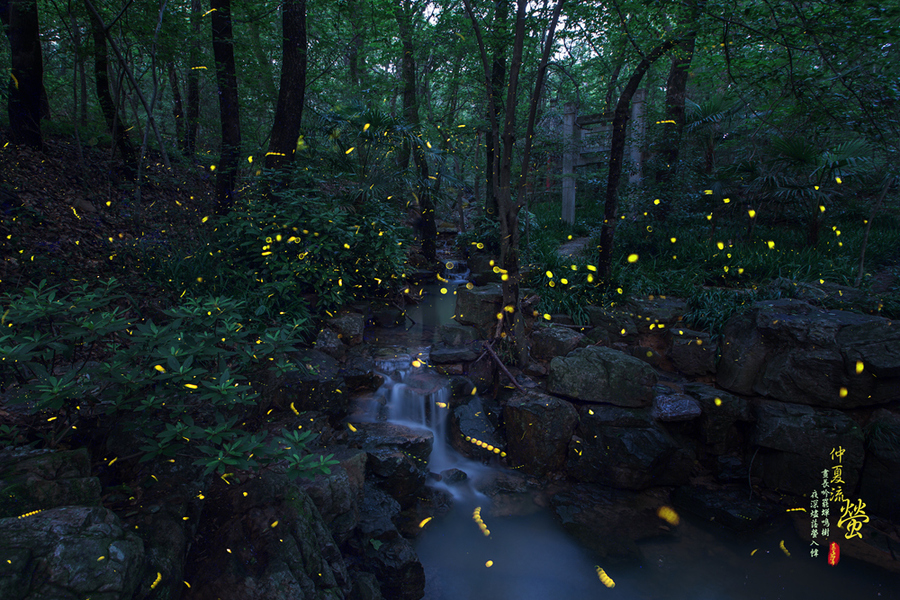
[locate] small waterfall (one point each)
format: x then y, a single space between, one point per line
418 398
456 272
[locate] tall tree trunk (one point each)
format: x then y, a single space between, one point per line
508 208
617 153
193 84
289 111
177 108
226 78
674 126
355 58
404 15
81 99
107 106
26 95
495 101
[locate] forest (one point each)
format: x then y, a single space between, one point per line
195 195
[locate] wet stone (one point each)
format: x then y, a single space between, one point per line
669 407
452 476
727 506
443 354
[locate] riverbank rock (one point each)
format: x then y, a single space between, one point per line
384 552
799 442
609 522
728 506
538 430
791 351
415 442
597 374
349 327
478 307
469 424
549 342
880 485
71 552
625 449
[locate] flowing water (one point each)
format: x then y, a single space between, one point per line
530 557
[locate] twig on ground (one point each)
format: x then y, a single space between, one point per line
503 367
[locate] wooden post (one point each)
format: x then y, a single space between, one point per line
570 155
638 129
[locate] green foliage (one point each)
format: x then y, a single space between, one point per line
181 385
279 250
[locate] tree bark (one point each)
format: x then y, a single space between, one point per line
404 15
617 153
508 208
674 126
177 108
26 74
226 79
289 111
107 106
495 102
192 115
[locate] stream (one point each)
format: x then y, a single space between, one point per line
527 554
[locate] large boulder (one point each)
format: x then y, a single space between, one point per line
672 407
41 479
611 325
549 342
880 485
479 307
397 473
597 374
384 551
415 442
339 494
469 425
791 351
625 449
313 385
454 334
265 540
797 442
538 430
728 506
692 352
442 354
720 414
654 314
71 552
607 521
349 327
327 341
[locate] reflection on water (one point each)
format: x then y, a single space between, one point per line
532 559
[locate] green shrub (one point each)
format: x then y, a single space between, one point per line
280 249
181 385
